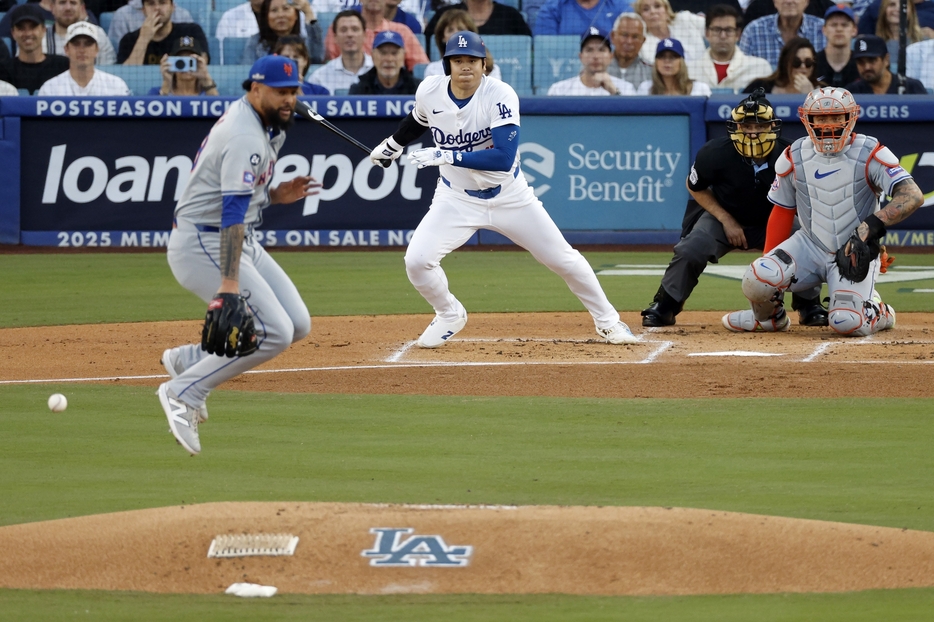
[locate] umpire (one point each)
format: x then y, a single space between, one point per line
728 209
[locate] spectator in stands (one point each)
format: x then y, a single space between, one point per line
278 18
66 13
375 21
46 7
796 73
489 18
723 65
663 23
888 25
872 60
342 72
572 17
293 46
835 63
924 10
593 79
31 67
130 17
920 62
394 14
456 20
156 36
670 74
388 75
188 83
240 22
628 37
766 36
761 8
82 79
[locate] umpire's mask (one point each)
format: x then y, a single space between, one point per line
754 110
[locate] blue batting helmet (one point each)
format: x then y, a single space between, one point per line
463 43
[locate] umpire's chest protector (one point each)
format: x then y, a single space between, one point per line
833 193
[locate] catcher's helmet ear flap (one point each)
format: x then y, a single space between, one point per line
463 43
755 109
829 137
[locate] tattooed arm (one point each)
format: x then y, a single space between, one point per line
906 198
231 248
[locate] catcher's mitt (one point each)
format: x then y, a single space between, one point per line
854 257
228 327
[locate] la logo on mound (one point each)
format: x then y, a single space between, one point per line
393 550
544 165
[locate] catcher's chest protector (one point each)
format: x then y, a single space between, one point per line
832 193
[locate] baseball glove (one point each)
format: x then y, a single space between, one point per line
854 257
228 327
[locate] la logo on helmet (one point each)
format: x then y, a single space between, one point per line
461 42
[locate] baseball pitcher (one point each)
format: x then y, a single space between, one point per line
254 310
832 179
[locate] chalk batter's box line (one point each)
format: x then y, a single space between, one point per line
661 346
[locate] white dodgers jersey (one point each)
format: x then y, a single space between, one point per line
469 128
834 193
237 157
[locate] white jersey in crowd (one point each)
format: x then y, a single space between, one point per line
576 86
8 89
469 128
834 193
436 68
698 88
63 85
334 77
249 164
106 55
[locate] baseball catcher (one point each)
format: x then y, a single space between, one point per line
832 180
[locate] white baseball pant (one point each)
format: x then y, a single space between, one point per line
516 213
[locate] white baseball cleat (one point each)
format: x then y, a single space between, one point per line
618 334
439 331
173 367
183 419
745 322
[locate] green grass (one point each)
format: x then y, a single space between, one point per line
860 461
54 289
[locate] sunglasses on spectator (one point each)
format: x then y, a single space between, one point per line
807 62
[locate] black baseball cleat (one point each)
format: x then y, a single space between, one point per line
654 316
812 315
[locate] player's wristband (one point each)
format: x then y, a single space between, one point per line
876 226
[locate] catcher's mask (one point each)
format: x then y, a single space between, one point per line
755 109
829 136
463 43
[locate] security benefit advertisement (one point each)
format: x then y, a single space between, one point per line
608 173
115 183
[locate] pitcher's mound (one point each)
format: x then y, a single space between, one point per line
380 549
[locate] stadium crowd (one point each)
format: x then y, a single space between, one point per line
622 47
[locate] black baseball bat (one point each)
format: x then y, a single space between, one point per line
308 112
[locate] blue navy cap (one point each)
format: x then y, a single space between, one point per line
595 33
670 45
276 71
869 46
388 36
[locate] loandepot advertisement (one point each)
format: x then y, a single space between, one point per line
622 172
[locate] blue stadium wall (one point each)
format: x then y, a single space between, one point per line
107 171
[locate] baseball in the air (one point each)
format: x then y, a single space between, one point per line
57 403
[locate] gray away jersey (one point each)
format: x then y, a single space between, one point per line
236 157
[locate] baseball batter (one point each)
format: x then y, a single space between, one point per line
211 249
832 179
474 121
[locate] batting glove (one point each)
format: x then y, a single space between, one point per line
389 149
432 156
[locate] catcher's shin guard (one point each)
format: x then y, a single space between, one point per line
767 277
